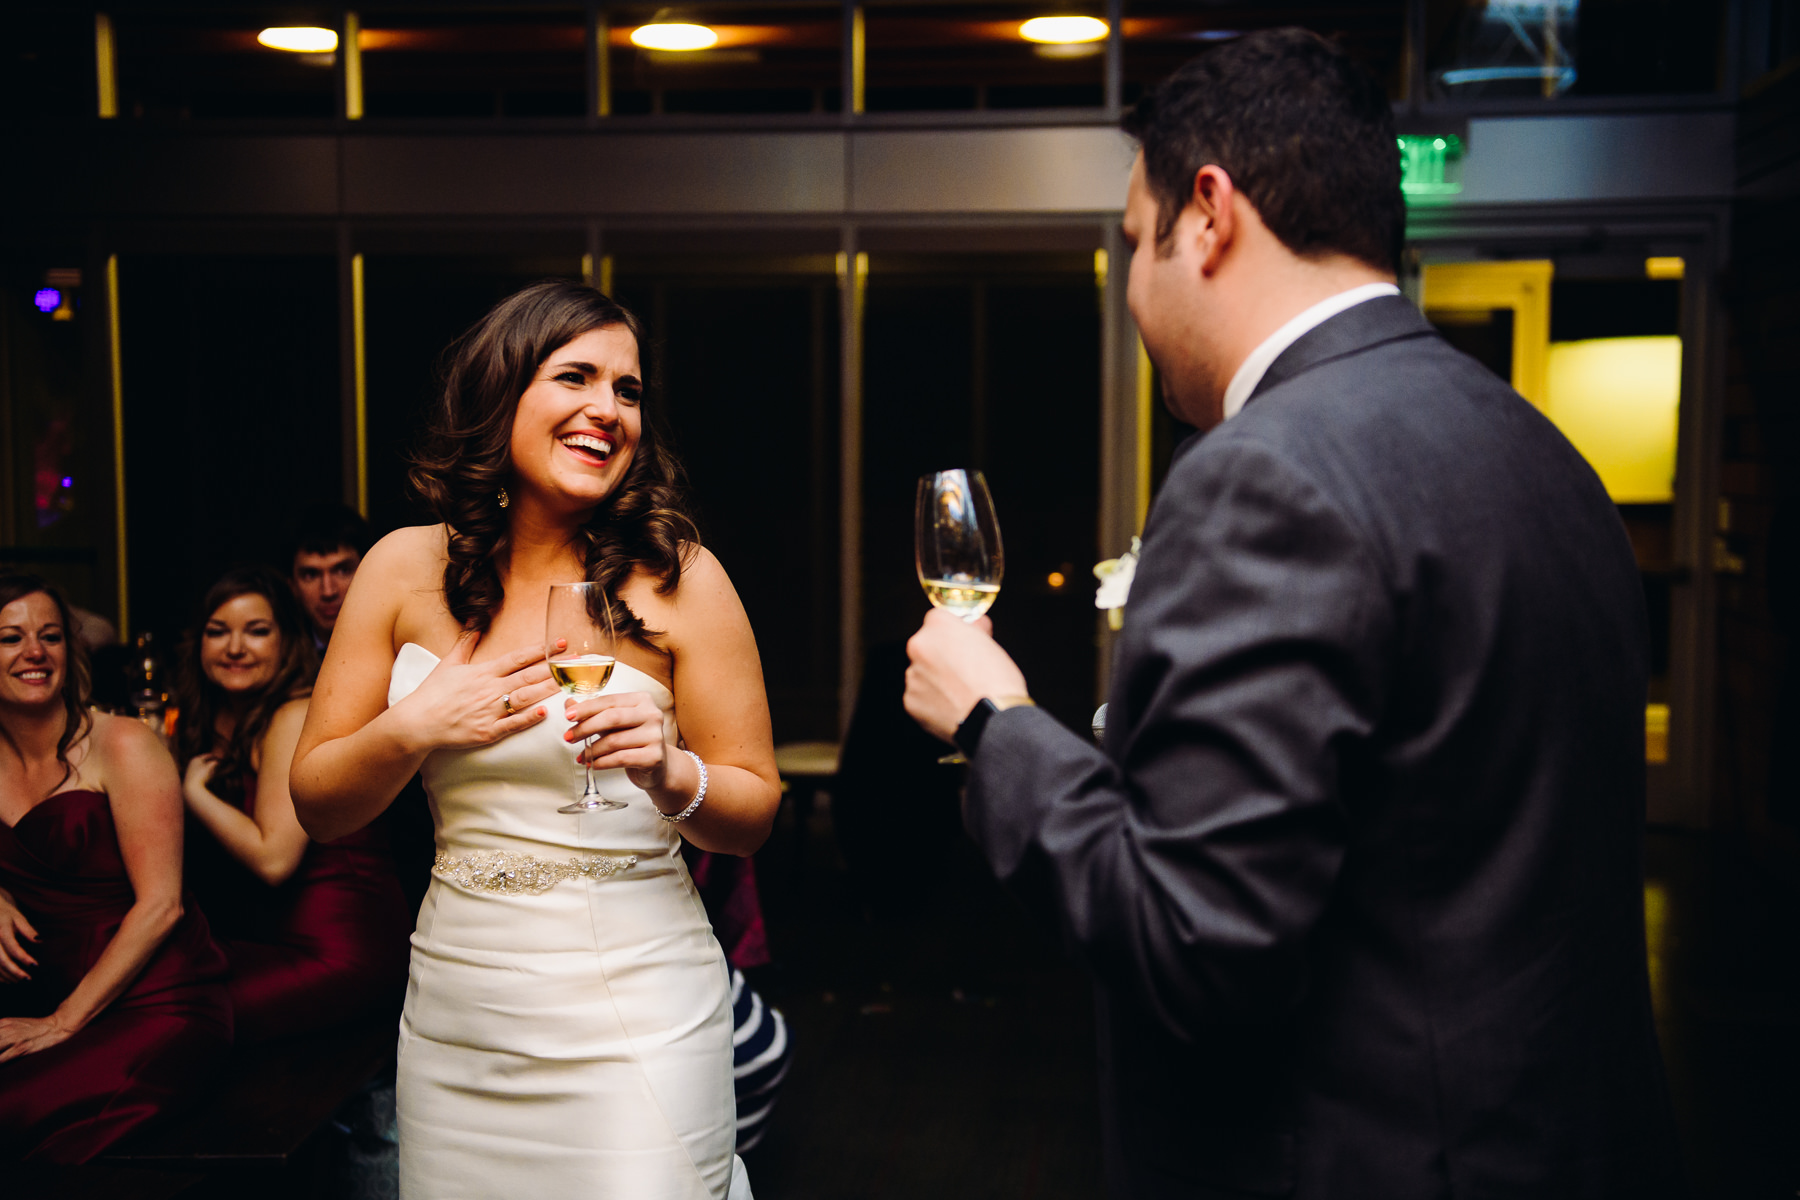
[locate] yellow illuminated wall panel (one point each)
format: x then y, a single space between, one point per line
1523 287
1616 399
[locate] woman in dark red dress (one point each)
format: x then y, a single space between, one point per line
316 933
113 1007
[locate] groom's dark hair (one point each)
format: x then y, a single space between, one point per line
1304 132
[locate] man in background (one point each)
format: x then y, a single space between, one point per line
329 543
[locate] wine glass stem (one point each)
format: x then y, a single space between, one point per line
588 768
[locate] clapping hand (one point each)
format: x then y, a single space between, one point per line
627 728
462 704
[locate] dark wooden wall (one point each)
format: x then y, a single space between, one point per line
1759 546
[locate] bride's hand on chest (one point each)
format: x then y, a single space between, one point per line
463 704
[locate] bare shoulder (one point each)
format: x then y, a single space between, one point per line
398 589
122 737
289 718
412 551
702 575
128 752
704 606
703 586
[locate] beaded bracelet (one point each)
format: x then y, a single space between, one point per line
694 804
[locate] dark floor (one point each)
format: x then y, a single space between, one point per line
1723 920
945 1049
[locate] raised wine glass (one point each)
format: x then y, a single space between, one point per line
957 542
956 546
579 642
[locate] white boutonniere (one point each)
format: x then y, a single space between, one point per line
1115 575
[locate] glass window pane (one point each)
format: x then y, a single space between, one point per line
1546 49
181 66
923 57
1612 385
1634 321
1161 35
55 430
512 64
778 58
994 363
233 416
49 60
416 305
746 362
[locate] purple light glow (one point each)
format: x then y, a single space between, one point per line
47 299
68 481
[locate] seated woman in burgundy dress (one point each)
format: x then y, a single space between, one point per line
113 1005
316 933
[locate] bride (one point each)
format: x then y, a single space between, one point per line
567 1029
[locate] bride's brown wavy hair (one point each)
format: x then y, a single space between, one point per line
464 459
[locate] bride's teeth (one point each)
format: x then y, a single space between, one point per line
593 445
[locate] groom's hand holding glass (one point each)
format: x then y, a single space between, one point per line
954 664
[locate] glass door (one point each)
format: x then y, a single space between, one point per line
1596 343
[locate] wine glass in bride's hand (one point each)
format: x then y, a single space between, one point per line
956 546
578 641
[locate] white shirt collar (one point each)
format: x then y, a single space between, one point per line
1261 358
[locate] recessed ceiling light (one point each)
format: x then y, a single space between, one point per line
1063 31
303 39
673 36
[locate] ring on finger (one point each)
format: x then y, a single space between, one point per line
506 702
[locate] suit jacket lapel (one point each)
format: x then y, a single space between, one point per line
1360 327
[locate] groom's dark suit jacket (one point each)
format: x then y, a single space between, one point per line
1358 870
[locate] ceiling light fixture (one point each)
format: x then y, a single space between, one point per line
674 36
302 39
1063 31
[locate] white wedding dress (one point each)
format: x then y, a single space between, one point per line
567 1031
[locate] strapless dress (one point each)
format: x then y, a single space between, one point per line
148 1054
567 1029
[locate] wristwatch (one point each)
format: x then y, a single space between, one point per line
968 734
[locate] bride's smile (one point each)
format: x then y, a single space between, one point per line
579 422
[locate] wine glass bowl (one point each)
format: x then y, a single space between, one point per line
957 542
579 641
956 547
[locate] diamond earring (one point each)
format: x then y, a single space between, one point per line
504 498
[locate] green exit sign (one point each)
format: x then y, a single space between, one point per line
1424 160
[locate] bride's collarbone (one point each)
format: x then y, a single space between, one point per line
509 638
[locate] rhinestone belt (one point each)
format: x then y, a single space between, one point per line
521 874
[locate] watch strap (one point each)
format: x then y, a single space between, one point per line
968 734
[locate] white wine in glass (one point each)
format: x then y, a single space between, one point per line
956 542
966 599
578 642
956 546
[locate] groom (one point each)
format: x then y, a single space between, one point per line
1357 870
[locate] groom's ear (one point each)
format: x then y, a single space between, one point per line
1213 201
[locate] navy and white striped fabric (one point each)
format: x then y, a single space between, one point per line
760 1055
